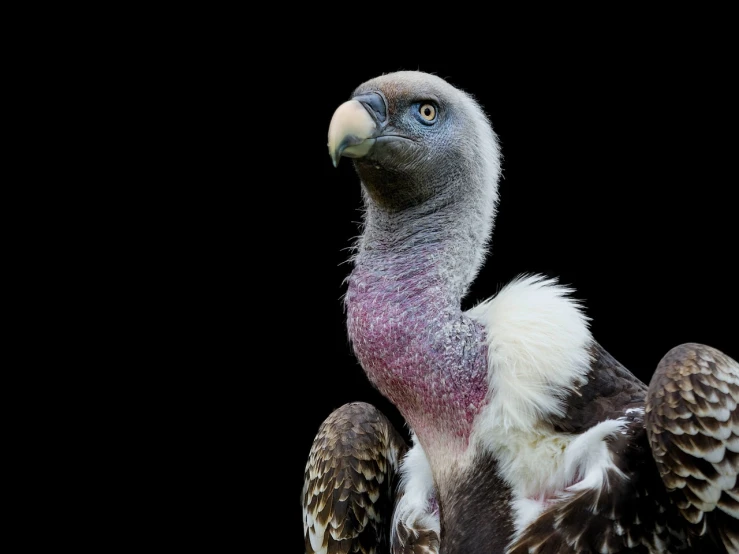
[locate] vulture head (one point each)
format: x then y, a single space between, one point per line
418 145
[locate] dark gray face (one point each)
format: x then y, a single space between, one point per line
415 152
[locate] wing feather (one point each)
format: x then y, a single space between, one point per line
413 538
349 484
693 429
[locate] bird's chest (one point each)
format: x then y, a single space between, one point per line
424 355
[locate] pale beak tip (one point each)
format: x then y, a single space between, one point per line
335 155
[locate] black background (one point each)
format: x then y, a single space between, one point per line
214 238
619 178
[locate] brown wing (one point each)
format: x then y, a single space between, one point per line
348 491
693 429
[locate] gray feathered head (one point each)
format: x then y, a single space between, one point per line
422 146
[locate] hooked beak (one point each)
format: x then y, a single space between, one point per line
355 125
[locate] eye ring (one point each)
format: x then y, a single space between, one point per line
427 111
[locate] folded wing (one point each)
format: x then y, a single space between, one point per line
350 479
693 429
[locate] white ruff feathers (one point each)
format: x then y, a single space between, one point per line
538 341
538 352
417 485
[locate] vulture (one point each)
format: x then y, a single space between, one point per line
526 436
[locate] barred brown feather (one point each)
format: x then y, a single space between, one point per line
693 428
348 492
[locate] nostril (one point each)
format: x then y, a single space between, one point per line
375 104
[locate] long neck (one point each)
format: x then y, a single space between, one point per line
405 319
442 239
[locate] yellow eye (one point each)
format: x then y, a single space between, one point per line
427 111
